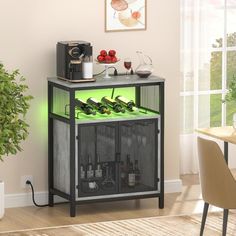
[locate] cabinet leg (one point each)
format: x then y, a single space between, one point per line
72 209
51 200
161 202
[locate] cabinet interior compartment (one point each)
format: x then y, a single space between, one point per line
144 98
138 145
105 149
97 160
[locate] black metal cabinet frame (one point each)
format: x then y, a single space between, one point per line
116 82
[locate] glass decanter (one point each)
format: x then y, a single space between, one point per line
145 68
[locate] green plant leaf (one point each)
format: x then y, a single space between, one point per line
14 104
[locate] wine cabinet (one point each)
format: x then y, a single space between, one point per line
100 153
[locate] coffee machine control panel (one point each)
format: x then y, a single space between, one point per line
75 52
70 58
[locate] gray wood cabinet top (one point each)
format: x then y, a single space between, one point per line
115 81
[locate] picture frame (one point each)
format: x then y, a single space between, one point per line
125 15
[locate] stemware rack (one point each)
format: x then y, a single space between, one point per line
125 152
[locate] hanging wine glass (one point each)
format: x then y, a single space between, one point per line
139 136
144 137
129 137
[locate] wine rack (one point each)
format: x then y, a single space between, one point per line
108 154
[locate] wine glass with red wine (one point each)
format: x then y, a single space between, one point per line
127 65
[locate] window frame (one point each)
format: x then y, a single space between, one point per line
223 91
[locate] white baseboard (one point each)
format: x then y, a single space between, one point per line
25 199
173 186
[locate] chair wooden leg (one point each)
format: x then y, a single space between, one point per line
204 216
225 220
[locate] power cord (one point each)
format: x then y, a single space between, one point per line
32 189
111 67
115 70
33 199
99 73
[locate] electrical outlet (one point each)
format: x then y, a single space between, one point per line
24 178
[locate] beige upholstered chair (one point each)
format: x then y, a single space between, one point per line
217 183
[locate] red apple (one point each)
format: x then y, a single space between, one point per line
100 58
114 59
103 53
112 53
107 59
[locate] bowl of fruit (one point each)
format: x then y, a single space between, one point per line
107 57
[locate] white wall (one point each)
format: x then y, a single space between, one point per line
28 35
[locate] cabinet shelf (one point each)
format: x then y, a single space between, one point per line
100 190
102 118
137 188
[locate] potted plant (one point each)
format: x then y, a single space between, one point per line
14 104
231 96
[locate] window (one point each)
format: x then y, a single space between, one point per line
208 62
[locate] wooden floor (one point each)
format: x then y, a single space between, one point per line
187 202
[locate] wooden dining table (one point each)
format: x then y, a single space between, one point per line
225 133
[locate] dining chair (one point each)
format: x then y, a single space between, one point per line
217 182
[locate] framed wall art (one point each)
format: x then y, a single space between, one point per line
121 15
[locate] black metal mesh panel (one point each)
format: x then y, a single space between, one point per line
102 171
97 148
138 166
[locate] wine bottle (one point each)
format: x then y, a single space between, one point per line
98 170
137 173
131 176
101 108
83 106
128 104
113 104
90 171
82 171
127 161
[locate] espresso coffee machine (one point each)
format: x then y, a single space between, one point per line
74 61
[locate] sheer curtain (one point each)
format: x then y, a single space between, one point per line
201 86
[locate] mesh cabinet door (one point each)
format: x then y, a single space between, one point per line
139 151
97 154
